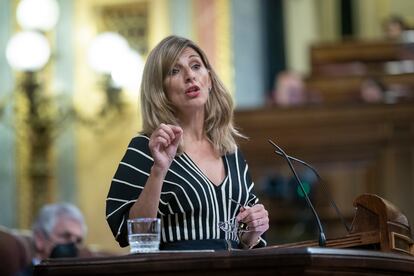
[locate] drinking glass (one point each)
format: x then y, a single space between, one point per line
144 234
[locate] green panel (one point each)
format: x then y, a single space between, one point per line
8 216
64 75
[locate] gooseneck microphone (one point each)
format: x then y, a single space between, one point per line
347 227
322 238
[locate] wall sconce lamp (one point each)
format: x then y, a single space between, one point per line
28 52
40 15
121 67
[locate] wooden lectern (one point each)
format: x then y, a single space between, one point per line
379 243
377 225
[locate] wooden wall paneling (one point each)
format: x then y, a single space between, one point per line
356 149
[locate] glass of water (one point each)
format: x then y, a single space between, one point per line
144 234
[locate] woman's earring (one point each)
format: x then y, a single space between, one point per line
209 89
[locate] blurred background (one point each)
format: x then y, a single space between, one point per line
330 81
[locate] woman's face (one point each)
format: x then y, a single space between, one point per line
188 82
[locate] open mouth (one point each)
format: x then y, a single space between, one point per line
192 89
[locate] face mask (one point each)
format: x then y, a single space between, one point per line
68 250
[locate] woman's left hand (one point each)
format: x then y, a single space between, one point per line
257 220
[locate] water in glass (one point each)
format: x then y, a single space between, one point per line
142 243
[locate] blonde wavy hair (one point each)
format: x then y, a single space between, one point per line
156 108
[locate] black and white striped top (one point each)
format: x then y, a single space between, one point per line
190 205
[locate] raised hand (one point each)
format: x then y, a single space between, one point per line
163 145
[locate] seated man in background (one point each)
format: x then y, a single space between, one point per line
57 232
290 90
373 91
394 27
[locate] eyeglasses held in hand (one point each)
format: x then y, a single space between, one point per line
232 225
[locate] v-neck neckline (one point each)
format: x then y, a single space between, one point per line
226 175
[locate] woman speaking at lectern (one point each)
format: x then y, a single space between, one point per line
185 167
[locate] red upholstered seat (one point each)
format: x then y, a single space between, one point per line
15 251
